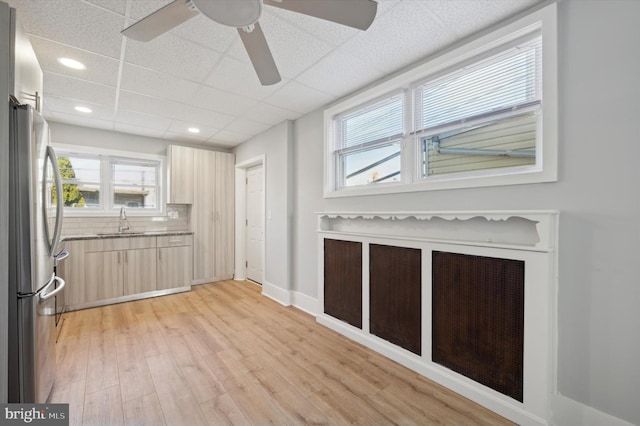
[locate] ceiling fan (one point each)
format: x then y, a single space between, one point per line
244 15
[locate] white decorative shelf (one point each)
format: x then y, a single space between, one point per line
520 230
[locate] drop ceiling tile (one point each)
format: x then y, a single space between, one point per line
180 137
100 69
269 114
117 6
142 8
330 32
75 23
56 104
80 90
339 74
299 98
207 33
180 127
248 127
228 138
239 78
293 50
464 17
143 120
170 54
389 46
173 110
151 83
137 130
79 121
220 101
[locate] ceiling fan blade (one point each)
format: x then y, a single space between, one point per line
160 21
352 13
260 55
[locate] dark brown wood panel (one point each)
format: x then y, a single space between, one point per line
395 295
343 281
478 319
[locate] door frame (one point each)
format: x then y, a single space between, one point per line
241 215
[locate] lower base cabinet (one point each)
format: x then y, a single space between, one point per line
175 260
103 270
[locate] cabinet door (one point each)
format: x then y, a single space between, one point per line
180 174
103 275
224 214
72 270
202 216
139 271
174 267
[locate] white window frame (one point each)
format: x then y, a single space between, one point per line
106 156
543 21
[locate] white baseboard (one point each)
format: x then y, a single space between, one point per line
276 293
305 303
568 412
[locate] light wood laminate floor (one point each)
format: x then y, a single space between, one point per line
225 354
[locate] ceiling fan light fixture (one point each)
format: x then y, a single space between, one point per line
232 13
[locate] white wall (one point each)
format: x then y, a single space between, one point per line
276 146
597 195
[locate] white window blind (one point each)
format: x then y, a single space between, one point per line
506 84
378 122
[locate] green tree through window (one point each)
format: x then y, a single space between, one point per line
71 195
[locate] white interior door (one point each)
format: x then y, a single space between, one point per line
255 223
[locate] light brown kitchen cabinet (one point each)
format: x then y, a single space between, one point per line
103 275
139 271
180 174
175 260
212 216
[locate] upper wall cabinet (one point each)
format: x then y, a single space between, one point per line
180 174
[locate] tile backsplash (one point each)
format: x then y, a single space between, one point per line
175 219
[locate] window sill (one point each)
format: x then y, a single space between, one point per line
500 178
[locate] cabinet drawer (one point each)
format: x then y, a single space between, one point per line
175 240
120 243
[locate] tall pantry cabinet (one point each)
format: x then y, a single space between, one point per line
209 185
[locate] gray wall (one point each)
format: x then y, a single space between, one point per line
597 195
276 145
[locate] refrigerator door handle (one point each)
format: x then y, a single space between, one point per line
59 202
44 296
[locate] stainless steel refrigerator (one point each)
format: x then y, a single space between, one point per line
35 221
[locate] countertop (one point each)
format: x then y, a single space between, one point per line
124 235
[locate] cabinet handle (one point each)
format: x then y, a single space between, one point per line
160 255
118 258
126 257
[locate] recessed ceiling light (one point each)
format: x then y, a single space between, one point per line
72 63
83 109
193 130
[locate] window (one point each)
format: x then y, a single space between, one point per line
483 116
467 118
105 183
369 143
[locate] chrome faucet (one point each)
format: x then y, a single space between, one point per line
124 224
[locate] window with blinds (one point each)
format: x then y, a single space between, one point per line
468 117
369 138
483 116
